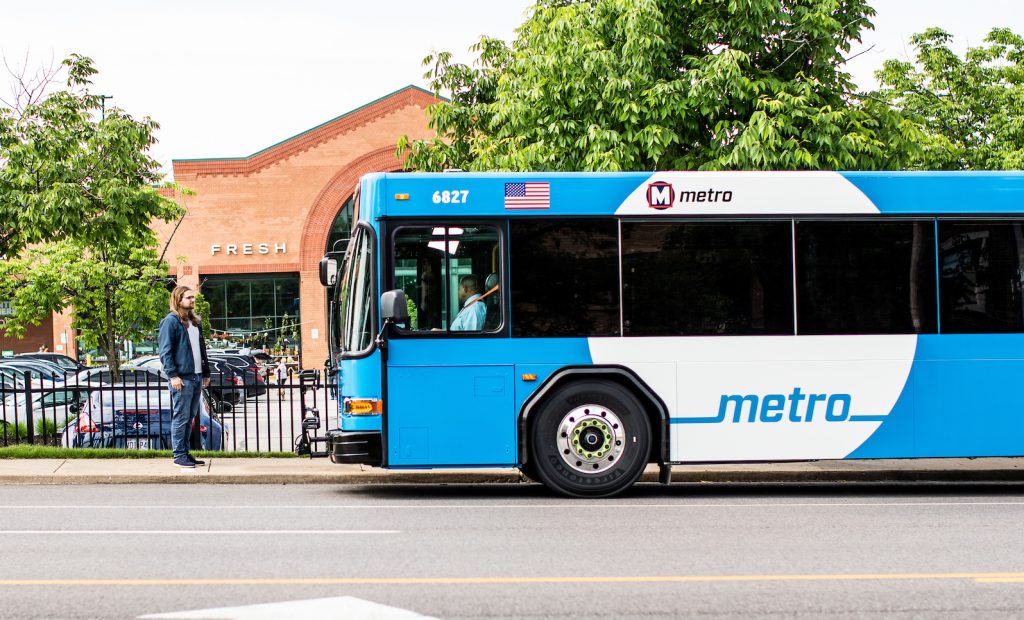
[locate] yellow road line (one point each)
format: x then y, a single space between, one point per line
316 581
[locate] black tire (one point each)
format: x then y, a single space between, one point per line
589 438
529 470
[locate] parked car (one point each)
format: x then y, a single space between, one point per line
65 362
39 369
246 366
11 380
130 375
259 354
55 403
225 384
139 420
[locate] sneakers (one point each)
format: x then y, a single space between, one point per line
194 460
184 461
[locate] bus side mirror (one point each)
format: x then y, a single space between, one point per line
328 271
393 307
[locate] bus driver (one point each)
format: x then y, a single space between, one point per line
471 317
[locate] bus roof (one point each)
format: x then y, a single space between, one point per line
681 194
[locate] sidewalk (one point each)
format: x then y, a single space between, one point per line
322 471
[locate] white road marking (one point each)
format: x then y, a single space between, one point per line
337 608
193 532
508 580
576 505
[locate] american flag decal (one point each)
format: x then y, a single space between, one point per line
531 195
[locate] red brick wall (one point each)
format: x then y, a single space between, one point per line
35 336
287 195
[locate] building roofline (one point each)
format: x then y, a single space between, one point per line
408 95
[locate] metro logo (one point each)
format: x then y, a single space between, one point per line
660 195
798 406
773 407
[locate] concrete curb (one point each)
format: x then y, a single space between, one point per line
304 471
346 479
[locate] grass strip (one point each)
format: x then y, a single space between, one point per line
53 452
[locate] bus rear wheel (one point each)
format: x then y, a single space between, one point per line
590 439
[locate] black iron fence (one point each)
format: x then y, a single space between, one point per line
239 412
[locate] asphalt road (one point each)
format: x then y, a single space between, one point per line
512 551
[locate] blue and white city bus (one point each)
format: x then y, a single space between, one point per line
624 319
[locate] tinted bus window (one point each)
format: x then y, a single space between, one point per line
564 277
981 275
707 278
865 277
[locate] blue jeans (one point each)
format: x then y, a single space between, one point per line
184 407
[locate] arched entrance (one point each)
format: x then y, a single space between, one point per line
325 227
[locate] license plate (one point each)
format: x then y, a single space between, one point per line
140 443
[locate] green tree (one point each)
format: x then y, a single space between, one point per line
970 109
76 203
65 172
116 290
657 84
202 308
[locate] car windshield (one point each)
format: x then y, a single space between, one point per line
10 378
59 360
37 369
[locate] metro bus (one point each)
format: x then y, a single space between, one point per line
624 319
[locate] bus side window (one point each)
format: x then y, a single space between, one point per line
430 263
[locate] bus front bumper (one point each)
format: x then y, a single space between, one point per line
354 447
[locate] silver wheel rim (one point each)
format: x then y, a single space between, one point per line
591 439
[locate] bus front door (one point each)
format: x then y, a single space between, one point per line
448 415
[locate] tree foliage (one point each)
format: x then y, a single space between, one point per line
77 199
64 172
116 291
970 109
658 84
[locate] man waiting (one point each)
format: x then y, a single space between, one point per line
183 355
471 317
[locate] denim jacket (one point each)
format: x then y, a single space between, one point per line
175 350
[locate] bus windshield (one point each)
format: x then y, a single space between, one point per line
355 296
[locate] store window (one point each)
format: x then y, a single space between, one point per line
341 228
257 311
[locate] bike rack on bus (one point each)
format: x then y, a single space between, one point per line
309 380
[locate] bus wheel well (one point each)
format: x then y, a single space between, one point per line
653 407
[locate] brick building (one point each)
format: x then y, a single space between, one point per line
257 226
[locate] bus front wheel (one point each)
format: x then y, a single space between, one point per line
590 439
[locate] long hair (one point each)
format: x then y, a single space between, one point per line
185 316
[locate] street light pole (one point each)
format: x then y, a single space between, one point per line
103 105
